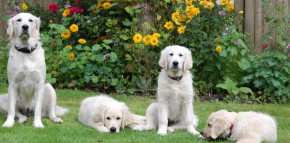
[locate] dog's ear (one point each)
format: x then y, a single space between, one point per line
37 23
104 117
218 127
10 28
163 59
126 117
188 60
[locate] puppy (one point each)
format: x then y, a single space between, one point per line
49 107
107 115
174 107
26 67
243 127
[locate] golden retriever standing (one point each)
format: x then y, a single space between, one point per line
174 109
243 127
107 115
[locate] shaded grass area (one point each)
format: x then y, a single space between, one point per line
72 131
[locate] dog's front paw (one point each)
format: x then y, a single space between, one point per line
56 120
194 132
22 119
8 124
170 129
139 128
38 124
162 132
103 129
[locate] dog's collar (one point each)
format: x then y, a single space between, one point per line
176 78
25 50
231 130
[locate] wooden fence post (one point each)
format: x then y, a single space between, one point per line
250 22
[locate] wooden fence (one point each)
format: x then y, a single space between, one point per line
254 24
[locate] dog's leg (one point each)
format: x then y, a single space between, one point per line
38 95
49 96
188 118
151 118
250 137
99 126
21 118
162 117
11 106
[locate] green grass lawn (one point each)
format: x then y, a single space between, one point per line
72 131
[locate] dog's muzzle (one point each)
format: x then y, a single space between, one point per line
175 65
24 34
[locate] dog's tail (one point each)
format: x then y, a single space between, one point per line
60 111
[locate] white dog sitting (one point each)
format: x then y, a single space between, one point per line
174 109
49 107
107 114
243 127
26 67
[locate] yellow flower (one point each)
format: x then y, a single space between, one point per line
157 35
66 12
230 6
188 1
82 41
203 3
71 56
218 49
74 28
241 12
192 11
168 25
99 5
106 5
69 47
209 5
181 29
224 2
154 41
24 6
175 15
137 38
66 34
146 39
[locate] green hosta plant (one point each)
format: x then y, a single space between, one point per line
234 92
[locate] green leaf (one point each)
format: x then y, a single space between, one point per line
96 47
246 90
158 17
124 37
108 41
233 51
126 22
244 64
223 53
95 79
128 57
114 81
113 56
130 10
5 17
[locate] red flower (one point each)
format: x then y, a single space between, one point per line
265 46
74 10
53 7
77 2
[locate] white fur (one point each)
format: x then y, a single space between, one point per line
248 127
175 98
26 72
107 114
49 107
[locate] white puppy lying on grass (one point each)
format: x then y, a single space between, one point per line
107 114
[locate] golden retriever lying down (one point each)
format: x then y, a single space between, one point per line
243 127
107 114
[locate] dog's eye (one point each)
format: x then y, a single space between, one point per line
180 55
19 20
171 54
118 118
30 20
108 118
209 125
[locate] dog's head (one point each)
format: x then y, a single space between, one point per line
24 26
115 117
219 125
175 58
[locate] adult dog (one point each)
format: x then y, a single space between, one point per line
26 67
49 107
174 109
243 127
107 114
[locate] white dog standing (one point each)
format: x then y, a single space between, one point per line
26 66
107 114
243 127
175 94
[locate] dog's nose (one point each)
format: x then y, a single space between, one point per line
175 63
113 129
201 133
25 27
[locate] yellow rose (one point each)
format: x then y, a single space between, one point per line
181 29
137 38
154 41
106 5
146 39
71 56
218 49
82 41
66 34
24 6
74 28
66 12
168 25
69 47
